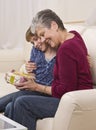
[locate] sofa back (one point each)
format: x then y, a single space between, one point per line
89 36
88 33
11 59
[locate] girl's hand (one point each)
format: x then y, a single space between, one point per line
30 66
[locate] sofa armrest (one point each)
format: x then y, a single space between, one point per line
76 111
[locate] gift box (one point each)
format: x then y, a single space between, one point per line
16 77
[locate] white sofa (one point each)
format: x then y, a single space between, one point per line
77 110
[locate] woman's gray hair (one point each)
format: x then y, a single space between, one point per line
44 18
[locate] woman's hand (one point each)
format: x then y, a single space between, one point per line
30 66
30 84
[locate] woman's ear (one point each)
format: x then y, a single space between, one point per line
54 25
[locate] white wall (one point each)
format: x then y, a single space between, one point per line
78 9
16 16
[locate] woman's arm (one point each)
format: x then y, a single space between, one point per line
33 86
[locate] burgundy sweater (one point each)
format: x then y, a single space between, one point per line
71 71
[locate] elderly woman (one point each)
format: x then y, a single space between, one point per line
71 71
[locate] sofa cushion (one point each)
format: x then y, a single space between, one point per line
45 124
11 59
89 37
78 28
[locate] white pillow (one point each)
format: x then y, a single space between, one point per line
79 28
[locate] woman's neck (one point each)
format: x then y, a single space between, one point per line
65 36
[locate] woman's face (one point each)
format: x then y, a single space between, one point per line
49 35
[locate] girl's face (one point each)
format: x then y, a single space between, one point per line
38 44
49 35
